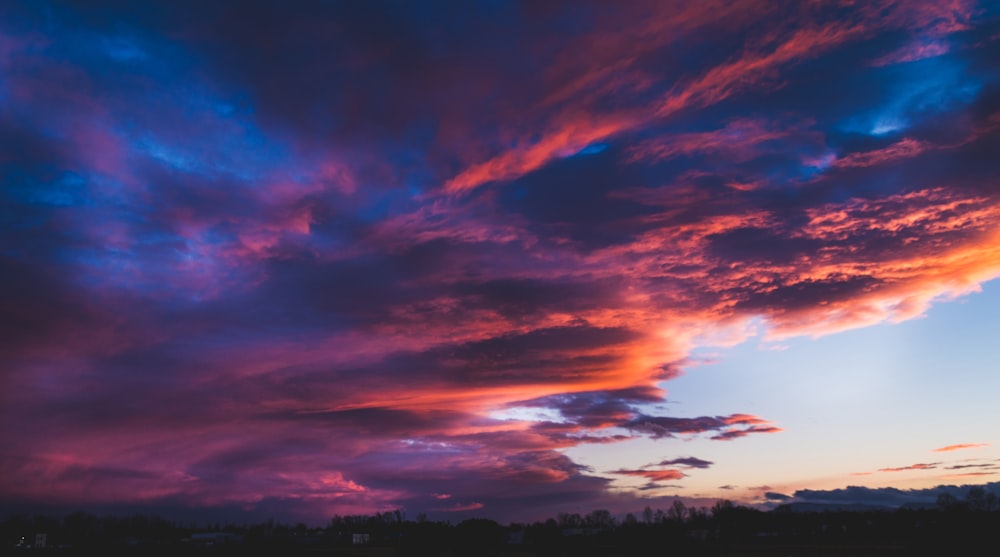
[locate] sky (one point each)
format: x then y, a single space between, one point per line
496 259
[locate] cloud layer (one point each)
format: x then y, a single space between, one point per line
346 257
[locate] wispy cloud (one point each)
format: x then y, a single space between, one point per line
918 466
960 447
654 475
688 461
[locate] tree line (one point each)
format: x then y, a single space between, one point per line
723 529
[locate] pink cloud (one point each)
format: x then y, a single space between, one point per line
459 507
653 475
904 149
912 53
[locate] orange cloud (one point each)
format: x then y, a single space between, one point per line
562 141
959 447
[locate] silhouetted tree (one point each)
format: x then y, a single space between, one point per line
948 502
599 518
478 536
721 507
647 515
569 520
678 511
978 499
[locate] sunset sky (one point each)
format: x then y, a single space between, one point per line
498 259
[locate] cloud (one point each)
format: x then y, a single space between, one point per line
968 475
962 466
335 258
753 69
739 141
888 496
725 427
653 475
904 149
919 466
460 508
960 447
688 461
774 496
912 53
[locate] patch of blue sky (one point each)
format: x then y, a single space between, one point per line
246 154
591 149
151 240
205 100
148 261
106 190
418 182
168 155
886 124
249 163
107 57
228 140
68 190
225 109
100 265
817 165
889 365
376 208
794 171
243 151
123 49
923 87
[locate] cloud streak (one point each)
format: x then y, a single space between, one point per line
960 447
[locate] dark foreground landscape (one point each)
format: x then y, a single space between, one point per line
952 527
